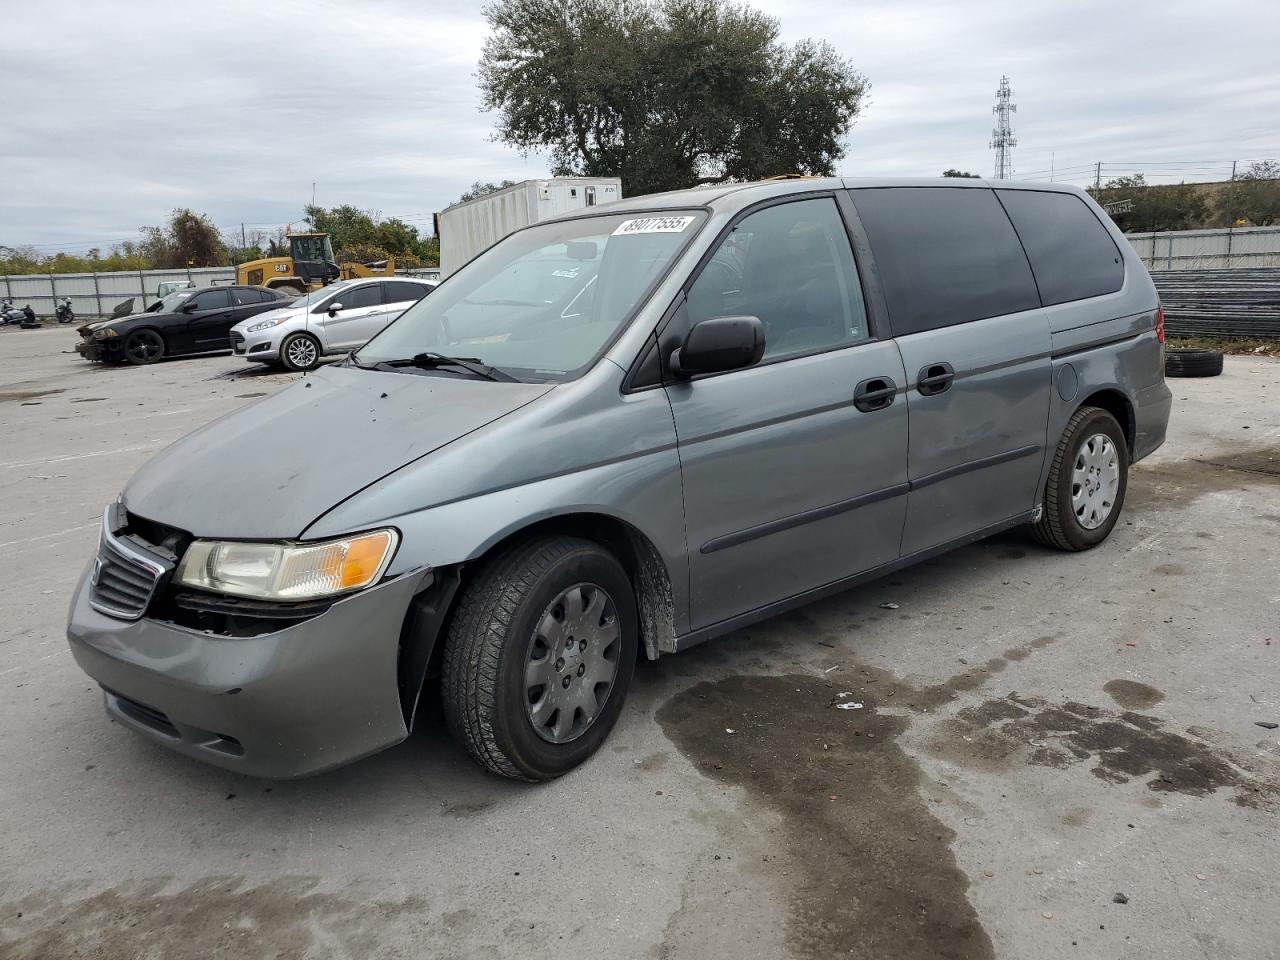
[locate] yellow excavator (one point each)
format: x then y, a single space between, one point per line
309 266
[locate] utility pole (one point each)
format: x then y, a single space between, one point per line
1097 175
1233 168
1002 138
1051 156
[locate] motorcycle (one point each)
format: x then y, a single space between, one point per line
29 321
64 312
9 313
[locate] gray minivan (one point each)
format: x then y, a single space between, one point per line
766 393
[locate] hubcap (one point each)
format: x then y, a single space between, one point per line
572 663
1095 481
302 352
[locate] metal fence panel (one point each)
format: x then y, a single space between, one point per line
1227 247
95 294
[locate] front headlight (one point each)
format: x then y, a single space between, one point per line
267 324
287 571
104 333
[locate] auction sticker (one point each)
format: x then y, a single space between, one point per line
653 225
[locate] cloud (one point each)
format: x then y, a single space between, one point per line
117 113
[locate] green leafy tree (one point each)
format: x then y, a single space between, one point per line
194 241
665 93
346 225
189 239
1155 207
480 188
1253 197
960 173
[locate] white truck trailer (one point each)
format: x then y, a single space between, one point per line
470 228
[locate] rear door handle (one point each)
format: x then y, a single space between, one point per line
935 379
874 394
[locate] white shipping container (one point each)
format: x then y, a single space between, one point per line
468 229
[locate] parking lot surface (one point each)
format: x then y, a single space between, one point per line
1057 755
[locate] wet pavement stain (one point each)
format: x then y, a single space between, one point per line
285 919
1119 747
1133 695
19 395
1162 486
876 875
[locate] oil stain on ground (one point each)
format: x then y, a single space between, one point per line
284 919
1133 695
877 878
1160 486
1116 747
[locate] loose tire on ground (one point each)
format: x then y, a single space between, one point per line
1188 362
1081 481
142 347
496 647
300 351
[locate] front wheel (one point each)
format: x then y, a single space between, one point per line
1087 481
300 351
143 346
539 656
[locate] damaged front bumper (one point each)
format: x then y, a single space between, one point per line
97 350
301 699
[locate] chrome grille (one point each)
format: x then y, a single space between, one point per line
124 579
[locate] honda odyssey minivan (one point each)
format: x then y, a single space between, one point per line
767 393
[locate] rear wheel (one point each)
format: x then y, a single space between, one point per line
300 351
142 347
1087 481
539 656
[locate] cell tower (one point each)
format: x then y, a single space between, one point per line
1002 139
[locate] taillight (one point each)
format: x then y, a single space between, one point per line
1160 324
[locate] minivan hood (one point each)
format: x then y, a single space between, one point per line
272 468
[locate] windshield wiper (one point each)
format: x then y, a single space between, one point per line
429 361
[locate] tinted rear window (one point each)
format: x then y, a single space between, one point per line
212 299
1072 254
944 255
398 291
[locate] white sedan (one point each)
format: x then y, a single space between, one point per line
331 321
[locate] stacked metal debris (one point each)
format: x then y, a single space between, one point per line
1228 304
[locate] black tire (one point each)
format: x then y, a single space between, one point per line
142 347
494 632
1188 362
1059 526
306 349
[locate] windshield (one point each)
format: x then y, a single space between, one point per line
173 301
544 302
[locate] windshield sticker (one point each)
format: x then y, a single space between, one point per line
653 225
566 274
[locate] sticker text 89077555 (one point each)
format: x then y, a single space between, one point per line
652 225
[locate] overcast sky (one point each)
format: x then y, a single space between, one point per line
115 113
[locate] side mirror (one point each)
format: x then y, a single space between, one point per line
190 307
718 344
334 308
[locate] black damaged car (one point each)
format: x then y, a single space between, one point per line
195 320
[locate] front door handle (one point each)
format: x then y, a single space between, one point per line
874 394
935 379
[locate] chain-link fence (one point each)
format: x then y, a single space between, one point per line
96 294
